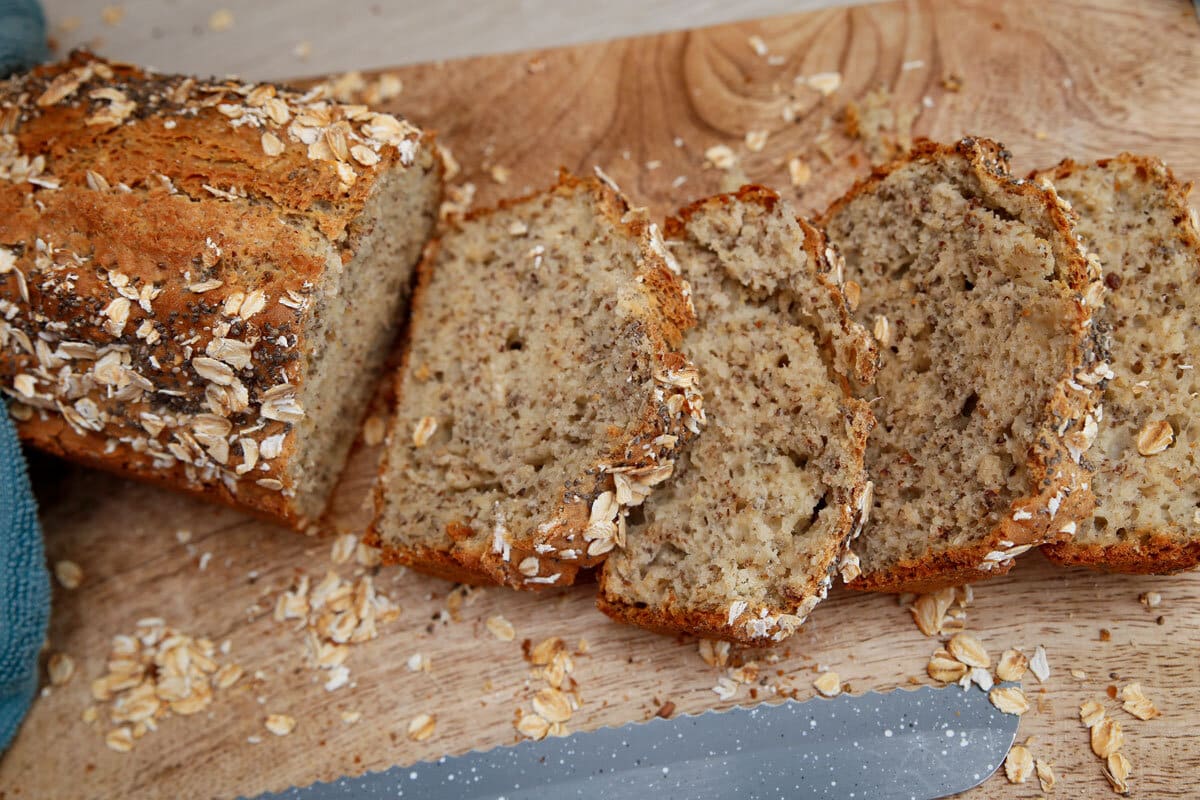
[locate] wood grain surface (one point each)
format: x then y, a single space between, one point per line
1050 80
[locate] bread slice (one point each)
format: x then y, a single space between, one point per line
541 394
1134 216
201 279
741 544
981 296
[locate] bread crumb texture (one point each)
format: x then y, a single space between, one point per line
542 396
987 392
744 540
1134 216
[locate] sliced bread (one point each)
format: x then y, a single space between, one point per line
981 297
740 545
541 395
201 279
1134 216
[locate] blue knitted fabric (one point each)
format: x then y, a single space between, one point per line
24 584
22 35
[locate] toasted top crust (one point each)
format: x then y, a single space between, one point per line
558 534
155 231
1135 216
1058 487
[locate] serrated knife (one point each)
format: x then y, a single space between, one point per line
906 744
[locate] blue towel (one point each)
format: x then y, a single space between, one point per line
24 584
22 35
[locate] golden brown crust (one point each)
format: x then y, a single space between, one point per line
1147 553
1059 475
165 225
667 312
859 421
1146 550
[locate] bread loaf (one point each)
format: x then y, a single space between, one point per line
196 287
541 395
1134 216
981 297
741 544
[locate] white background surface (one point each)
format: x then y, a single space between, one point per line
176 35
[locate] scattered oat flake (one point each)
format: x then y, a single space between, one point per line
544 651
1012 666
1019 764
757 44
221 20
1078 674
532 726
280 724
351 717
1039 665
721 156
367 556
1091 713
119 739
926 614
500 174
1117 770
155 672
69 574
61 668
969 650
825 82
756 141
1137 703
828 684
343 548
421 727
302 50
1107 737
1045 774
552 705
945 668
725 689
227 676
1151 599
799 171
982 678
501 628
1009 699
714 652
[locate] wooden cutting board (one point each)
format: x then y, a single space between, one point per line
1079 79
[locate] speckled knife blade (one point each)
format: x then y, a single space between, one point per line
923 743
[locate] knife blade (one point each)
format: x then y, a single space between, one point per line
907 744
